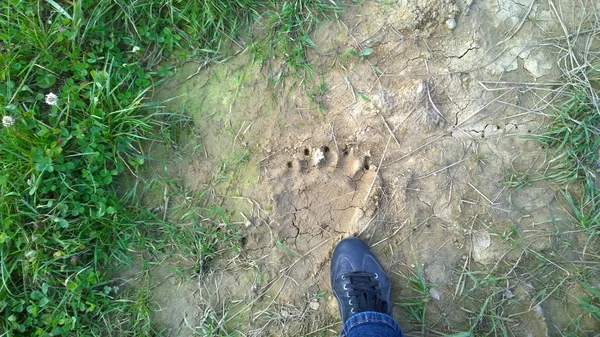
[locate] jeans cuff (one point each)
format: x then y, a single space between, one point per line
370 317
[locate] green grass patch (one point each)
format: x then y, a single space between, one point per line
573 138
72 89
283 32
416 304
591 302
73 79
71 94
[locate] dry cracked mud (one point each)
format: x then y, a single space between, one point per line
421 150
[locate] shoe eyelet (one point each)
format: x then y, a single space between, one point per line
343 277
376 276
348 294
345 287
350 302
352 311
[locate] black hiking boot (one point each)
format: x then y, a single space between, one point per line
357 279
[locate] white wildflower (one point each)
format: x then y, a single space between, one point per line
135 49
30 254
51 99
8 121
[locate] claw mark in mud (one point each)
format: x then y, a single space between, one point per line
322 190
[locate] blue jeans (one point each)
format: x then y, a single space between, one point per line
371 324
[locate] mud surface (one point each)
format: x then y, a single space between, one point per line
420 150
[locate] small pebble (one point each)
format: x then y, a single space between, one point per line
314 305
420 88
319 156
435 294
451 24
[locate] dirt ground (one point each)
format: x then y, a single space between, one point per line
419 148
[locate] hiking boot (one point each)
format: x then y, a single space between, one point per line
358 280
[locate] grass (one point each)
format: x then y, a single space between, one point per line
206 237
416 305
317 95
591 302
213 324
72 124
286 27
73 80
573 138
488 291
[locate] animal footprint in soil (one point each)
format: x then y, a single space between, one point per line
324 191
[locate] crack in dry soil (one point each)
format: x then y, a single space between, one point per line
455 132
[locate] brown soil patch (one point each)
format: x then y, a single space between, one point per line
420 151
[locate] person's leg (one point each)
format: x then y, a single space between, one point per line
363 291
371 324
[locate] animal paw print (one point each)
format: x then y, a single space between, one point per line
322 190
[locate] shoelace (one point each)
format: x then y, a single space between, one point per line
364 292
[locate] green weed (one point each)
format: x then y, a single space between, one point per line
488 293
514 179
361 55
591 302
512 233
318 94
73 80
213 324
586 210
286 249
210 236
286 26
72 85
574 135
573 138
416 305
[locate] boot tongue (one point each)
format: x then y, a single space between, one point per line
365 292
